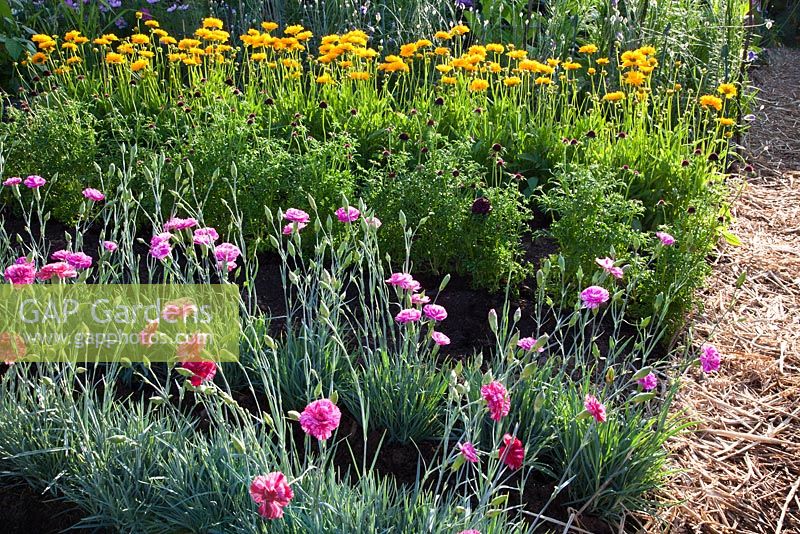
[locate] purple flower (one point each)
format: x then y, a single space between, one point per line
420 298
160 247
648 382
291 228
373 222
666 239
709 358
297 216
527 343
93 194
110 246
403 280
435 312
14 180
34 182
226 255
594 296
481 206
440 339
79 260
608 266
205 236
468 452
595 407
176 223
348 214
409 315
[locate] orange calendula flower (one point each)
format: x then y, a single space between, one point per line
293 30
588 49
73 60
571 65
269 26
635 78
497 48
140 38
139 64
710 101
726 121
543 80
460 29
212 23
325 79
512 81
38 58
517 54
602 61
727 89
478 85
152 23
443 36
359 76
449 80
407 50
113 58
616 96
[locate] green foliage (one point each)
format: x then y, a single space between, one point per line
592 217
437 193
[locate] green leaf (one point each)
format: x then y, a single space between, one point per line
5 9
458 462
643 397
731 238
641 373
741 280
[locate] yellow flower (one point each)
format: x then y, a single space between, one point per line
74 59
571 65
407 50
553 62
495 47
140 39
152 23
512 81
101 41
213 23
269 26
258 56
110 37
81 40
478 85
366 53
632 58
146 53
47 45
62 70
126 48
186 44
677 87
710 101
139 64
160 33
139 15
443 36
441 51
592 71
115 59
602 61
517 54
588 49
359 75
325 79
543 80
293 30
304 36
192 61
167 40
346 64
634 78
290 63
647 50
38 58
393 66
494 67
616 96
174 58
69 36
727 89
460 29
449 80
69 46
423 43
725 121
444 68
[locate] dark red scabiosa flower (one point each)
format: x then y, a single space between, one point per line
685 163
481 206
404 136
591 134
497 147
439 101
713 157
622 135
323 105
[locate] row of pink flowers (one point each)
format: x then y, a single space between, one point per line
299 219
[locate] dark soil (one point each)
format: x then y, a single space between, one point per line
24 511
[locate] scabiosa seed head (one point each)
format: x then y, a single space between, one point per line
481 206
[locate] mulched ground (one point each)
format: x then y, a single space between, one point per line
741 468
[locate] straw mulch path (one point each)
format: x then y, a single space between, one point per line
741 468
